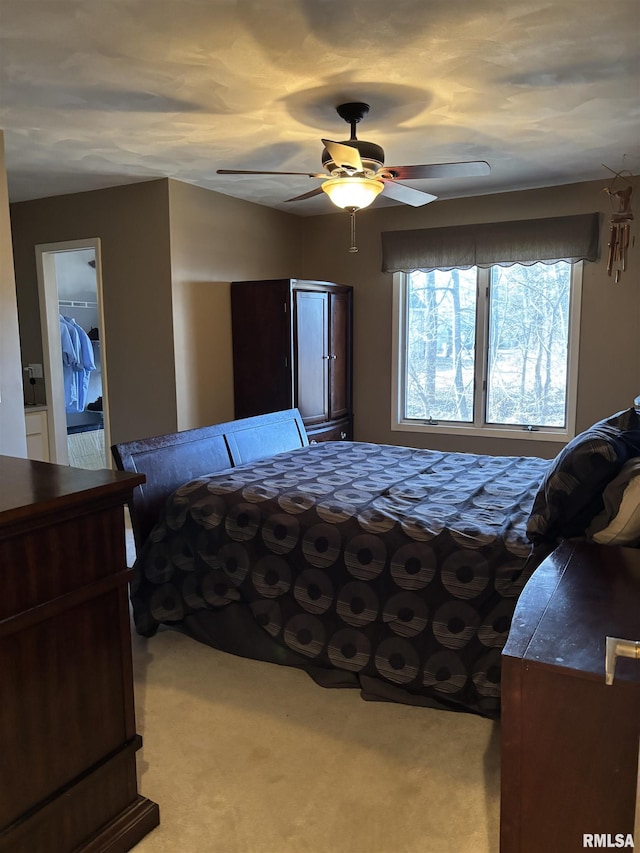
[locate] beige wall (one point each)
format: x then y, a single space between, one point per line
171 249
216 239
609 367
133 225
13 440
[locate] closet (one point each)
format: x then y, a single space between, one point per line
82 357
292 346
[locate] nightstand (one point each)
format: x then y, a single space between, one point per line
569 740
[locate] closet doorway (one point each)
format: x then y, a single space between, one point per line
74 352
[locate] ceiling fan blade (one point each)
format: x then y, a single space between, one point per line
407 195
470 169
248 172
344 156
310 194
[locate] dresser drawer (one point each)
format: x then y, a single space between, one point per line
340 431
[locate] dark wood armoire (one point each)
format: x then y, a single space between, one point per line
292 346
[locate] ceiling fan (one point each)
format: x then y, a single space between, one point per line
355 172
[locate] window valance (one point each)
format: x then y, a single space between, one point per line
568 238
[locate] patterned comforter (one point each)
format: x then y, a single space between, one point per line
392 564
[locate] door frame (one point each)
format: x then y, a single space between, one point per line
52 349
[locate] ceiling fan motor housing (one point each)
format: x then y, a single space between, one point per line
372 156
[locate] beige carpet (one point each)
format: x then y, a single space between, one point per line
248 757
87 449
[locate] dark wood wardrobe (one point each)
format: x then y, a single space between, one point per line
292 346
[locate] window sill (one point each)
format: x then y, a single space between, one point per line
559 436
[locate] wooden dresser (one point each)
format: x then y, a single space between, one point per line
67 729
569 740
292 347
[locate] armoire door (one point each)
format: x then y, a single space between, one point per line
339 355
262 347
312 355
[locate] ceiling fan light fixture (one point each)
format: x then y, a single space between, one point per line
352 193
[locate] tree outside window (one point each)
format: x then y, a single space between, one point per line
487 347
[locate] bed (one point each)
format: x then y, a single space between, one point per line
390 569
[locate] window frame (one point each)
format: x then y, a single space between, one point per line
479 427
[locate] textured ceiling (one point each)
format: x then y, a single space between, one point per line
96 93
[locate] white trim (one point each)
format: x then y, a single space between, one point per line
52 356
482 346
560 437
398 315
577 270
479 429
52 350
103 355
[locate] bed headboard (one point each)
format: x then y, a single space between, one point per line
168 461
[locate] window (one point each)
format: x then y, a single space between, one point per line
490 349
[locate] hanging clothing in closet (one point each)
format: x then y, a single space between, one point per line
77 364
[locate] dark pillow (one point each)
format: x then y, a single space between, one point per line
570 494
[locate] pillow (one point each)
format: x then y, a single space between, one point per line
571 492
619 523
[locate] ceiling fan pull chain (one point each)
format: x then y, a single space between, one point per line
353 247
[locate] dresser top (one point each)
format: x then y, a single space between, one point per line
578 596
29 488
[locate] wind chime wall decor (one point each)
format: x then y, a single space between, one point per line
619 229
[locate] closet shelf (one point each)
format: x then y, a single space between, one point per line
75 303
